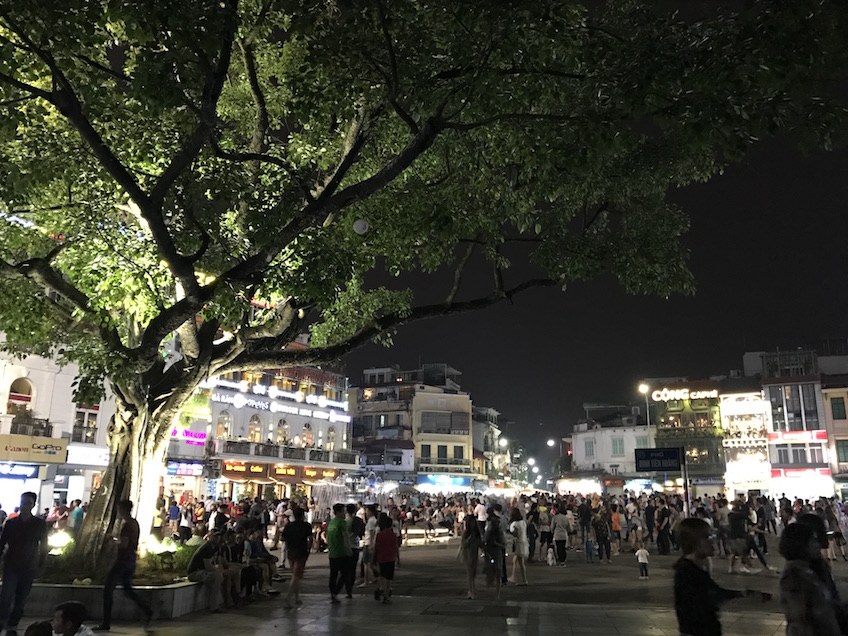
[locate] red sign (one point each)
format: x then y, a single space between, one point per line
795 473
800 437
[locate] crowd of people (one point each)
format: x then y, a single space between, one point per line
496 537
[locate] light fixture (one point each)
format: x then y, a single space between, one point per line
644 388
551 443
535 469
531 461
503 442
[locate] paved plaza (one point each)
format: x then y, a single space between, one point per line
430 598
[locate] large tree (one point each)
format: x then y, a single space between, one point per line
165 162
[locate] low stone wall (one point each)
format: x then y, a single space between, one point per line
167 601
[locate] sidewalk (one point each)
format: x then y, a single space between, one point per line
421 616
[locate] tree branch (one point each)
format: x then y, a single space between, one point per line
320 355
550 117
457 274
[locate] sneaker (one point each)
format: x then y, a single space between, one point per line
348 595
334 600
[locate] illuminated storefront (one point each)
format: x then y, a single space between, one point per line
746 420
689 415
435 483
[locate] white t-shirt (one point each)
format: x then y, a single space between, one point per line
642 555
480 512
370 535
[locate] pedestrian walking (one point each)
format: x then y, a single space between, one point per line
521 547
469 552
642 555
339 552
385 556
297 536
25 535
123 569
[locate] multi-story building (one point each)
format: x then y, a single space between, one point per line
493 457
603 449
798 441
277 430
835 397
427 407
746 421
688 415
49 444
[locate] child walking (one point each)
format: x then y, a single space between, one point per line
696 595
385 555
590 545
642 558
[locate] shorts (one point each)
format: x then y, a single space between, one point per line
546 537
297 567
367 555
387 570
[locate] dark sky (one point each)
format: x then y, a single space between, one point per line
768 241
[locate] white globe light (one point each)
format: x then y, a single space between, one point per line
535 469
503 442
551 442
531 461
360 226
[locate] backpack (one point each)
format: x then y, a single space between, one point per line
358 527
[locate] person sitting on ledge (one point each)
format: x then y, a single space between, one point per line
205 567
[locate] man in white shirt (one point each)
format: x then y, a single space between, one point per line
367 546
482 516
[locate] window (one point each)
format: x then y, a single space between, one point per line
782 453
459 452
254 429
617 446
282 432
816 454
589 445
842 450
225 423
799 454
85 427
642 442
443 453
331 438
425 451
837 405
306 435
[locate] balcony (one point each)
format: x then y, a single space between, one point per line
293 452
442 430
84 435
445 464
283 451
266 450
236 448
33 427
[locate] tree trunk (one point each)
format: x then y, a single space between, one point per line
137 450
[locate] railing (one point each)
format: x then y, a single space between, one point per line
442 431
284 451
84 435
266 450
36 429
290 452
237 448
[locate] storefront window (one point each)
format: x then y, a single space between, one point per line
331 438
225 423
254 433
306 435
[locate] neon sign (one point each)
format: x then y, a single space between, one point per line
667 395
194 438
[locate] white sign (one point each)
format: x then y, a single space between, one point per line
240 401
88 455
682 394
274 393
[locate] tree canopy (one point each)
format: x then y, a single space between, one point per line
165 160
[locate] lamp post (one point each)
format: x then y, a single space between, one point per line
645 389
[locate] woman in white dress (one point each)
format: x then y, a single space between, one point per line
518 529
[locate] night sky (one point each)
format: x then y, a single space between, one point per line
768 241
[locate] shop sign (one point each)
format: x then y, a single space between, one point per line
799 437
26 448
445 480
88 455
319 473
666 395
799 473
187 469
195 438
18 471
284 472
272 392
613 482
244 470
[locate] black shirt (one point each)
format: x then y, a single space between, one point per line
129 535
206 551
696 600
297 534
738 524
24 538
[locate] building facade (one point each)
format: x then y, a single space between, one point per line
835 399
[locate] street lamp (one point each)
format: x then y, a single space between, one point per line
645 389
535 469
531 461
551 443
503 442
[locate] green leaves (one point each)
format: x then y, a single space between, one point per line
441 124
